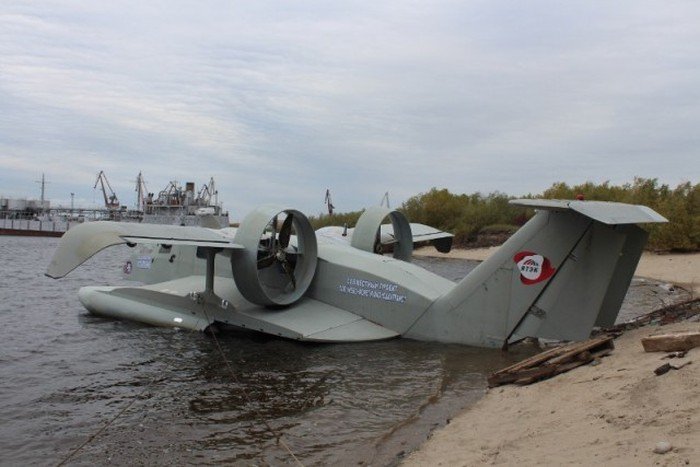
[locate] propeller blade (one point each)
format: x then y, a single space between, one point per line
291 257
286 232
378 242
290 273
273 234
266 262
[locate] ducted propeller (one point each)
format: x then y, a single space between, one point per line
277 266
277 250
367 234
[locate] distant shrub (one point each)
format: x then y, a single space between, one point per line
339 219
499 228
467 216
681 206
463 215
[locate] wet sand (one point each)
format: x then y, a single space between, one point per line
613 413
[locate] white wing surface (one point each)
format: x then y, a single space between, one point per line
81 242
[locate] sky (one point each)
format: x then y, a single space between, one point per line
280 100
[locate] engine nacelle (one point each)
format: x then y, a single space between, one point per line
278 264
367 233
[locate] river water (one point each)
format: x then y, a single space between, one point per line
65 374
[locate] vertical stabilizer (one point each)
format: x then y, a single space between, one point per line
563 272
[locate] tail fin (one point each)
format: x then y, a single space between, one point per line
562 273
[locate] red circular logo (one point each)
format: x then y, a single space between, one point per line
533 267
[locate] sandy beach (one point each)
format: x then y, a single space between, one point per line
612 413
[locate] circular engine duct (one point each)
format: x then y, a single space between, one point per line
279 260
367 233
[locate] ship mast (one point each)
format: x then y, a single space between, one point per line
43 192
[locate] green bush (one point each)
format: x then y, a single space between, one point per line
499 228
339 219
681 206
463 215
468 215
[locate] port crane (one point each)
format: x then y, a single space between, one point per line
110 197
385 198
208 194
329 202
142 194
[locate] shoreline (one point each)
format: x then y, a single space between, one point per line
613 413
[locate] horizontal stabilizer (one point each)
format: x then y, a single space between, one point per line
601 211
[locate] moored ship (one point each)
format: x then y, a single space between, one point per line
174 204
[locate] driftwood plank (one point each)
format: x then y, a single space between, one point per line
536 359
553 362
603 341
602 352
515 377
672 342
540 373
548 371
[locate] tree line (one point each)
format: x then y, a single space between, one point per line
468 216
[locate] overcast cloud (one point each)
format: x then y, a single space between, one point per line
279 100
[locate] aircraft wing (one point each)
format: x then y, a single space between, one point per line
314 321
421 233
82 242
170 304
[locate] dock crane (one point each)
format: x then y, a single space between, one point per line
329 202
111 200
385 198
208 194
142 194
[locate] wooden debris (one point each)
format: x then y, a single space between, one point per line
673 342
666 315
553 362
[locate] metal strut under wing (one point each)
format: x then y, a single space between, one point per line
82 242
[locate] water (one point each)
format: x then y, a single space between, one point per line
65 373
